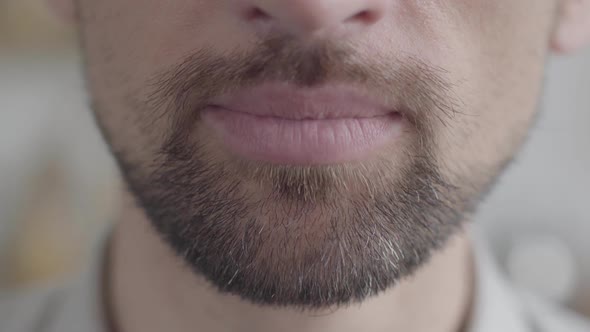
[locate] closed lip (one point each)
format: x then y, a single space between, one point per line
285 101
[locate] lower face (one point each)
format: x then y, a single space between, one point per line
321 212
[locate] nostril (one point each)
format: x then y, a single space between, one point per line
257 14
365 17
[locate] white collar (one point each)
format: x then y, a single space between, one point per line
495 307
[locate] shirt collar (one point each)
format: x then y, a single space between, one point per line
495 306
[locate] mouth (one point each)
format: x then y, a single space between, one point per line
282 124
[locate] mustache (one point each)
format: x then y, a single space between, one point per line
418 90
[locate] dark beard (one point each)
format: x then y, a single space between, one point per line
296 246
301 238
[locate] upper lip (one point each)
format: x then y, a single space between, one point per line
286 101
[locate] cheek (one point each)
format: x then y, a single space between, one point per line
126 43
64 9
500 96
124 46
141 37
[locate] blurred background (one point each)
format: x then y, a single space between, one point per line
58 184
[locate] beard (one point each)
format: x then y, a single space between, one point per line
312 236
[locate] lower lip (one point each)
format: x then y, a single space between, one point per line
301 142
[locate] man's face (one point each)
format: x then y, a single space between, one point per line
359 133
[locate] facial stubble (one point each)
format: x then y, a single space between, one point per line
287 235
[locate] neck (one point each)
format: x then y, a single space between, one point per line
151 290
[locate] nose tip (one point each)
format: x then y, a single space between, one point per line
312 16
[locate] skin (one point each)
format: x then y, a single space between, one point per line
482 63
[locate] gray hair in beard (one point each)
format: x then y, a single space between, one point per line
308 242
